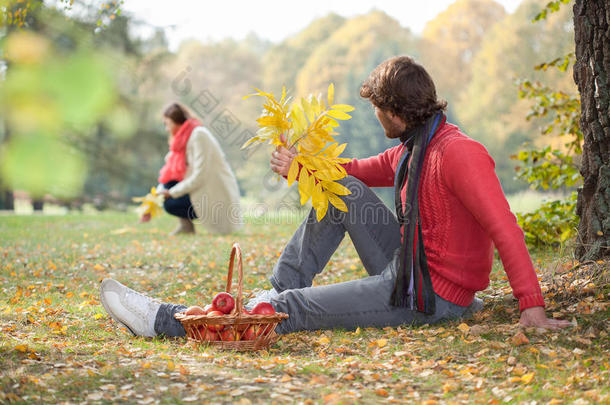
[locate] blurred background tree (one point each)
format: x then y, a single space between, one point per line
450 42
489 108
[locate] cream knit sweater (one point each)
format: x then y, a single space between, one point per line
210 184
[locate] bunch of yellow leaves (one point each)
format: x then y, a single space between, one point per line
151 205
309 125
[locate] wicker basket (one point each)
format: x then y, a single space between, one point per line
236 322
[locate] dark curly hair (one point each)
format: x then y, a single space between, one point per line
403 87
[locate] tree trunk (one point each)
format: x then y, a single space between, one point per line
591 32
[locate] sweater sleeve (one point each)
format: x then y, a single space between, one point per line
196 177
375 171
469 171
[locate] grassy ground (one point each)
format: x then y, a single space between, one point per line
58 345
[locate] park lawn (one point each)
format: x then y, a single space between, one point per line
58 345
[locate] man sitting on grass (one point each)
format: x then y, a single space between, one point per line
425 264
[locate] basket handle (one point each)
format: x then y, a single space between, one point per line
236 251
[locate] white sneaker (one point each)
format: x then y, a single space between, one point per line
262 296
133 310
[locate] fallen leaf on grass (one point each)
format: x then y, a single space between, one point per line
331 398
464 328
381 392
519 339
381 342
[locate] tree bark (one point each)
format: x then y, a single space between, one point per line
591 70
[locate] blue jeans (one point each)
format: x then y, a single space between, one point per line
365 302
179 207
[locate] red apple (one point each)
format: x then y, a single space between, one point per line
263 308
208 335
251 333
223 302
200 332
216 327
240 327
208 308
194 310
229 335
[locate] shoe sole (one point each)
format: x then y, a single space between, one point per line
112 315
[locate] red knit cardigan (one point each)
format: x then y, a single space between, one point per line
464 213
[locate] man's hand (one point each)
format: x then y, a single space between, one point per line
535 316
165 194
281 158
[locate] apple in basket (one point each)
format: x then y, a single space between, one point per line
207 335
195 310
251 333
229 335
215 327
223 302
263 308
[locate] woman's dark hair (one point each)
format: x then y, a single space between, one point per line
177 113
403 87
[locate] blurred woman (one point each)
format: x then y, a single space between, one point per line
198 183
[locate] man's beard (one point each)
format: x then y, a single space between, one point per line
393 132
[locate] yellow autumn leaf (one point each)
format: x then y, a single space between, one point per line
329 175
464 328
381 342
308 124
335 188
331 94
308 110
527 378
335 150
170 365
306 185
323 340
448 387
21 348
321 211
317 196
293 172
342 107
336 201
250 141
340 115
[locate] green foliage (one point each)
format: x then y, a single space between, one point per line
553 166
551 7
15 13
108 12
553 223
48 94
489 108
